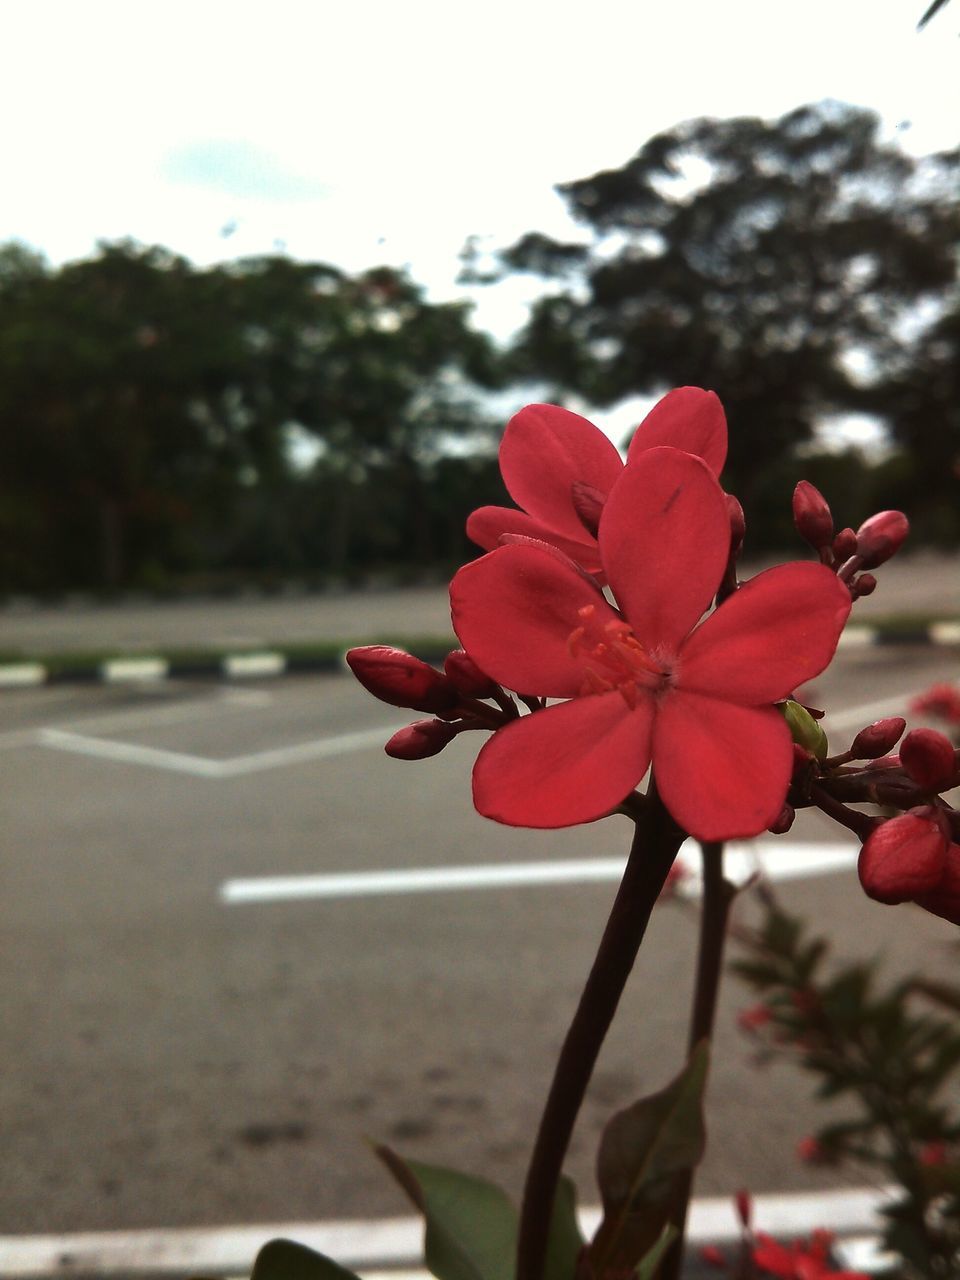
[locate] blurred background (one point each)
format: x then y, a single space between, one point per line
272 280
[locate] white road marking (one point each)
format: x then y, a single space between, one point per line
375 1246
125 670
204 766
779 860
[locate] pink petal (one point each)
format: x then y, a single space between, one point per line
722 770
486 525
515 609
688 418
664 540
571 763
779 629
544 450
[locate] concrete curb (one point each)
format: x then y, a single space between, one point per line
267 663
389 1245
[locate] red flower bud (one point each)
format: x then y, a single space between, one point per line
712 1256
880 537
929 758
419 740
865 585
812 515
401 679
902 858
884 762
738 524
464 673
877 738
944 900
845 545
784 821
754 1017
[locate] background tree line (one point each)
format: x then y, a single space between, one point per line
162 424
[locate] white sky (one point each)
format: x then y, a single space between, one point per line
389 130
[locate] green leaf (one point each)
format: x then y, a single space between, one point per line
647 1266
645 1154
471 1225
285 1260
565 1241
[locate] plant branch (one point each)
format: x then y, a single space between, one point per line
655 843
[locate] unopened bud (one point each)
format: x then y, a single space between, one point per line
420 740
880 537
902 858
929 758
811 1151
738 524
845 545
865 585
877 738
804 729
754 1017
812 516
784 821
401 679
464 673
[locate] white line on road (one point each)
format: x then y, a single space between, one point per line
387 1243
204 766
778 861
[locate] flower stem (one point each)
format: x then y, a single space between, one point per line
655 844
718 894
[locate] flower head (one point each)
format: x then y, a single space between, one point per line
559 468
643 682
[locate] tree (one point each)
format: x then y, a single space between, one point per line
779 263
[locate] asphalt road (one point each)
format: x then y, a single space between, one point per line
171 1059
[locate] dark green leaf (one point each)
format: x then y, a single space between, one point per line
645 1153
285 1260
471 1226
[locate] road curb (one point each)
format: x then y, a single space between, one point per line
148 668
389 1245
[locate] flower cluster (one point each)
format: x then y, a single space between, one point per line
761 1255
605 633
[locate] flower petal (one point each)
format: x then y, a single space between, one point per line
687 418
486 526
544 451
664 541
780 629
570 763
515 609
721 770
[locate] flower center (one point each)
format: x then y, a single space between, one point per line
613 658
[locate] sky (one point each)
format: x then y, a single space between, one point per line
389 130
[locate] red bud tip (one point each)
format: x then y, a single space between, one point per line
738 524
902 858
844 545
865 585
713 1256
467 677
754 1017
784 821
810 1151
880 537
812 516
929 758
401 679
877 738
420 740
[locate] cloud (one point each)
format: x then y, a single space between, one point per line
242 169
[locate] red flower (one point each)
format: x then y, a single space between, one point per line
643 684
939 700
560 468
803 1260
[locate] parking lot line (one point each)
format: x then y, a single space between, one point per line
777 860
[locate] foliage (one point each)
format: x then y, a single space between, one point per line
890 1054
147 410
802 267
